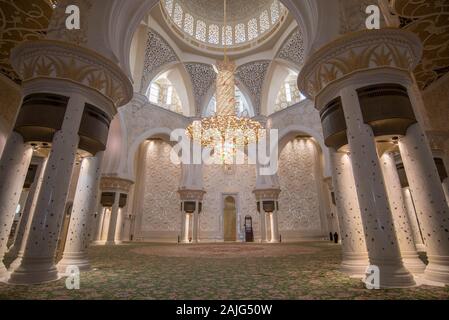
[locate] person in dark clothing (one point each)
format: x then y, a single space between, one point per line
331 237
336 237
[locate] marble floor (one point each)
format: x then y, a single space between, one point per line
216 271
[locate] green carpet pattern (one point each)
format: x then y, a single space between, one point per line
231 271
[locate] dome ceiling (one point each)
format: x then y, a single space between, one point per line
237 10
201 22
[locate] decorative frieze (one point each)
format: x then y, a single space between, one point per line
115 184
65 61
363 50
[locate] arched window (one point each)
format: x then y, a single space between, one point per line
188 24
214 34
201 30
178 15
240 33
252 29
227 35
155 93
169 6
264 22
289 93
275 12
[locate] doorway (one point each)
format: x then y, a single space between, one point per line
230 219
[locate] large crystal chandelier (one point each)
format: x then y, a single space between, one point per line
225 132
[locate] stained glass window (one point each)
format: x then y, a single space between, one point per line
213 34
177 16
275 12
252 29
201 30
228 35
240 34
264 22
188 24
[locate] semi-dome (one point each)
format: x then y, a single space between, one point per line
201 22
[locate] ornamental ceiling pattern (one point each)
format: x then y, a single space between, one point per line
203 78
20 20
430 21
293 48
252 76
158 53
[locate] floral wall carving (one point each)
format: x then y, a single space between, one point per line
430 21
241 180
20 21
157 54
161 204
203 77
252 76
293 48
299 199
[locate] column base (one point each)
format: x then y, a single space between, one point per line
98 243
421 248
3 272
355 265
438 269
393 275
76 259
112 243
34 271
412 262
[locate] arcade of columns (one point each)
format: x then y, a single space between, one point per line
383 165
388 189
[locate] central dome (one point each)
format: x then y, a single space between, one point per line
212 11
201 22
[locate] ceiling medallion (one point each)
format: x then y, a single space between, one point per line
225 132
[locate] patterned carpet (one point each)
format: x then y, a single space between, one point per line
216 271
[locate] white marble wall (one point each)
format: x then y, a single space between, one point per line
299 204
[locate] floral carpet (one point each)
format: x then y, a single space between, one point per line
216 271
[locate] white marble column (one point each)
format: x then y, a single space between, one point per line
196 224
430 203
263 224
14 165
381 240
408 200
404 232
37 261
100 225
78 236
28 210
184 228
113 220
274 227
119 227
445 185
355 256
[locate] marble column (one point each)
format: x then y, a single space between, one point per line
381 240
196 224
274 227
404 232
119 227
430 203
355 256
113 220
28 210
14 165
184 228
37 261
263 224
445 185
409 205
75 250
100 225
